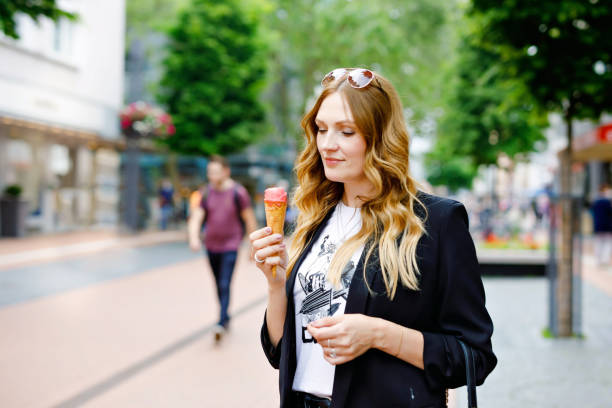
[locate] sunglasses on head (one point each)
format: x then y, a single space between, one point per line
357 78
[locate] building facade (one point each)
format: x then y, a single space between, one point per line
61 88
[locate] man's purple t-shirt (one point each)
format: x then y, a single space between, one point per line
223 228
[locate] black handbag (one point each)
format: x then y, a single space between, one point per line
470 374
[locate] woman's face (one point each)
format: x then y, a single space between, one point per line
341 146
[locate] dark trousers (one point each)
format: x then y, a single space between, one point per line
222 264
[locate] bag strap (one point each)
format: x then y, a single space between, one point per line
470 374
238 206
204 204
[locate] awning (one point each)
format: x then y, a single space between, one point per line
71 136
594 145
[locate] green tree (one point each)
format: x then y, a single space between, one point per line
32 8
561 50
445 168
146 25
145 16
486 114
214 73
407 42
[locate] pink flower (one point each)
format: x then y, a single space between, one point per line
145 118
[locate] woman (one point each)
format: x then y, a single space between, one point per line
382 280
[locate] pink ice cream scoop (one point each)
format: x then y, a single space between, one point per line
277 194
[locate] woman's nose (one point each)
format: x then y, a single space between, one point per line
328 141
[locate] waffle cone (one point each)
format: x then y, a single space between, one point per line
275 219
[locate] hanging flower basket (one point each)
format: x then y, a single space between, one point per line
139 119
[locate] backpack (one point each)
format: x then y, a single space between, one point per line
236 205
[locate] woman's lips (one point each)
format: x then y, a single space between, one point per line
332 162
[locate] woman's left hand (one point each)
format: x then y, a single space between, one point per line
343 337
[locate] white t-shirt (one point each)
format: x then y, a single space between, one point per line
315 298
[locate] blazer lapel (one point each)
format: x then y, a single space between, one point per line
358 291
355 303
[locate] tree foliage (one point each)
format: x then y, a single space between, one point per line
407 42
487 113
213 77
520 59
445 168
143 17
32 8
560 49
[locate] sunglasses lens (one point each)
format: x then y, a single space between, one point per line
360 78
332 76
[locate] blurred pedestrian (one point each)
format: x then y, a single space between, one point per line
601 210
381 288
485 217
195 199
166 203
225 208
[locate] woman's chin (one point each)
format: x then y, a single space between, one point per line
334 176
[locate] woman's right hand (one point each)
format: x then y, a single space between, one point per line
269 250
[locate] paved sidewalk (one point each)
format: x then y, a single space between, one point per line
142 340
29 282
25 251
545 373
10 245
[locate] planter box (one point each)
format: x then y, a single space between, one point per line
13 217
512 261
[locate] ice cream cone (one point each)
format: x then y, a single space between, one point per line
275 201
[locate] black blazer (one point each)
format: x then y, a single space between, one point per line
450 305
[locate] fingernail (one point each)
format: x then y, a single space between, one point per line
282 246
268 229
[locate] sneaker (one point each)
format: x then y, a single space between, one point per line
226 326
218 331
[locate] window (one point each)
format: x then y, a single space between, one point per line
62 37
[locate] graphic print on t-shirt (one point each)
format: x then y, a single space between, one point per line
322 299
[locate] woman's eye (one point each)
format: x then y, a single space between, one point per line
348 132
321 130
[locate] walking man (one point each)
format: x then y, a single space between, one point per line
226 211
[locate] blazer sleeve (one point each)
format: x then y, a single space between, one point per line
271 352
462 314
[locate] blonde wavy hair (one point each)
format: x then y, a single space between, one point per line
388 217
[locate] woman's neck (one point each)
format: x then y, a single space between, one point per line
355 194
